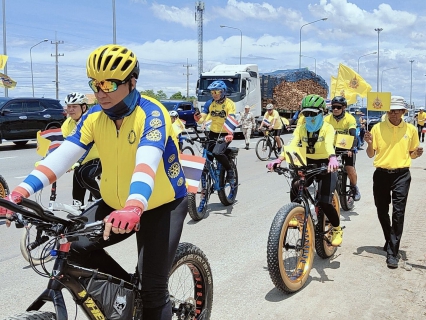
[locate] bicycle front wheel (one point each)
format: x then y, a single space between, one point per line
191 284
42 252
289 260
228 193
323 231
345 192
277 154
263 149
33 315
197 202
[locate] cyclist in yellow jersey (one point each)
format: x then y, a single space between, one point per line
217 110
317 137
273 121
392 143
421 118
143 186
88 168
345 123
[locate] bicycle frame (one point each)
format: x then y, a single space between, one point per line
213 168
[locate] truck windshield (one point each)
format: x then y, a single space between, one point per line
232 84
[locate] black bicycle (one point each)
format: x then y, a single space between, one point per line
346 193
297 229
103 296
266 145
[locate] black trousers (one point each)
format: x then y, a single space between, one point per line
419 131
387 188
157 242
220 154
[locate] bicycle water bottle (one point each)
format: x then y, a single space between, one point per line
313 214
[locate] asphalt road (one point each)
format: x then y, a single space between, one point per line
353 284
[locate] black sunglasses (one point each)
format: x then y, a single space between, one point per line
336 107
310 114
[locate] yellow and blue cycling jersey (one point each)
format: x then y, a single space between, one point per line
67 127
324 146
140 162
217 113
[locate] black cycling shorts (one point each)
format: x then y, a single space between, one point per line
276 132
349 161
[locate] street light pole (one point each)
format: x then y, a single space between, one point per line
4 41
425 92
31 62
114 40
378 54
381 80
241 38
315 62
411 83
364 56
300 39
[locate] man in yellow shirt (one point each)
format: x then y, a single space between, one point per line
317 137
421 118
344 123
394 143
272 119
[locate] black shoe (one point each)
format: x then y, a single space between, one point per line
247 146
385 247
392 262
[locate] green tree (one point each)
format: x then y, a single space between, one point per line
161 95
177 96
149 93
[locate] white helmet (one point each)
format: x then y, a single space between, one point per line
173 114
76 98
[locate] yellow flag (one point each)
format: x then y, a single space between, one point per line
7 82
3 60
344 141
42 145
339 88
378 101
178 126
354 82
295 150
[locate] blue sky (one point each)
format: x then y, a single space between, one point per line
163 34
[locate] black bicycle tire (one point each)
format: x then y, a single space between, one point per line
192 201
188 148
346 201
223 196
265 139
323 247
4 188
193 257
33 315
276 243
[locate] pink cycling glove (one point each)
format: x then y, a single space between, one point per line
229 137
273 164
127 218
333 164
14 197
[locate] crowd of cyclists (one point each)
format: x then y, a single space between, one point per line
143 188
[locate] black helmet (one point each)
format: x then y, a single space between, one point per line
339 99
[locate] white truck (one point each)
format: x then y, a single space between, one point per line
243 82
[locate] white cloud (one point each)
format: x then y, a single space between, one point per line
183 16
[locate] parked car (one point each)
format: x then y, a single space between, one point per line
185 109
21 118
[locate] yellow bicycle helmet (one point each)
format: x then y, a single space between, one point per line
112 62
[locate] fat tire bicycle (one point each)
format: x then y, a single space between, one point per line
190 300
266 145
344 188
4 188
294 234
213 178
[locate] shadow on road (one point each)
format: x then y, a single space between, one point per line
13 147
348 214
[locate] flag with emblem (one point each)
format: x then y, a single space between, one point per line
230 124
54 136
353 81
3 60
7 82
192 167
378 101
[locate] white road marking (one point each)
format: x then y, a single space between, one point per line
7 158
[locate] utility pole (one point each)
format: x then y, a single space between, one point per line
56 55
199 7
411 83
187 77
4 42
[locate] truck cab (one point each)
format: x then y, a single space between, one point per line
243 83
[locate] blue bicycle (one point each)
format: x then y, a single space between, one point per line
213 179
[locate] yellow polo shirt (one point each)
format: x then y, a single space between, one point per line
421 117
275 115
393 144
